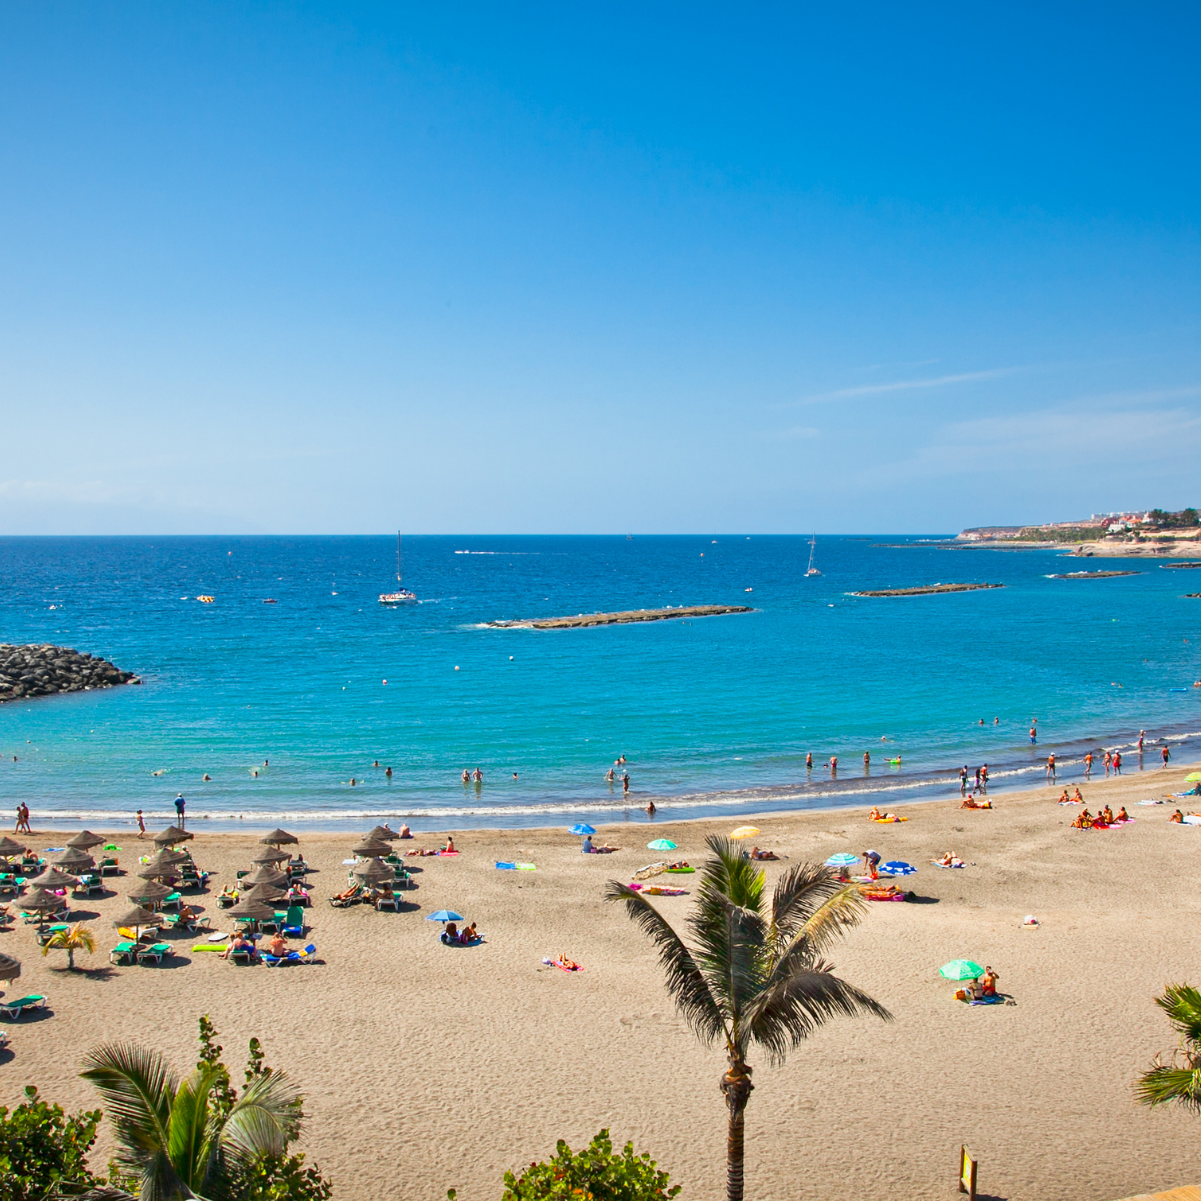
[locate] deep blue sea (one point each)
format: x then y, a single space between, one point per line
714 716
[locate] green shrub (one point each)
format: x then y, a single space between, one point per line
43 1148
594 1174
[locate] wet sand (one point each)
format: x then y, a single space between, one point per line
428 1067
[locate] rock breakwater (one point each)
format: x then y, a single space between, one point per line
47 669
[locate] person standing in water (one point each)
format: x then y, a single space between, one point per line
179 808
867 760
609 776
809 761
650 808
625 782
1051 768
477 776
1117 763
1088 765
1165 754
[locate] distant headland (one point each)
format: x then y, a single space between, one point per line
1151 534
582 620
43 670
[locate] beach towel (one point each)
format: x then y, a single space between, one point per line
994 1000
448 854
562 967
515 867
947 865
660 890
892 817
651 869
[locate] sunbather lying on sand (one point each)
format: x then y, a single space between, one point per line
756 853
568 965
675 867
423 851
950 859
972 803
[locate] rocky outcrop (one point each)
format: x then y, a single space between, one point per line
582 620
47 669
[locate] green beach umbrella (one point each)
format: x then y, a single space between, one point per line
1193 777
961 969
661 844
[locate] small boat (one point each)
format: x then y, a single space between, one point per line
401 595
812 550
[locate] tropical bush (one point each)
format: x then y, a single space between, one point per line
1179 1081
74 938
594 1174
43 1149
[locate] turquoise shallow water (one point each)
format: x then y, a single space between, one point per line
714 715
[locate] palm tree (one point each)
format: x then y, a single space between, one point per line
188 1139
74 938
757 974
1179 1081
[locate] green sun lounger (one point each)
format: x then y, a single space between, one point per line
123 952
14 1009
155 951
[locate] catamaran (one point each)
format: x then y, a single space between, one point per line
812 550
401 595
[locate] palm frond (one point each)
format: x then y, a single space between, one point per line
1182 1004
1163 1084
731 873
190 1145
731 952
685 981
138 1090
792 1007
264 1119
802 892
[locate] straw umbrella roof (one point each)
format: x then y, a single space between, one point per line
38 900
372 872
9 848
278 837
52 877
152 890
247 907
370 849
85 840
381 834
267 855
264 875
10 968
72 857
171 835
168 872
137 916
264 892
166 857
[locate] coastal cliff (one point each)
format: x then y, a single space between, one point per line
47 669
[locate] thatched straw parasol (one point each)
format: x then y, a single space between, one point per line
370 849
170 836
152 891
85 840
158 873
264 875
372 872
10 968
267 893
381 834
167 857
72 857
138 917
10 849
258 910
267 855
41 902
52 877
278 838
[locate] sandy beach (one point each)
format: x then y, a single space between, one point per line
427 1067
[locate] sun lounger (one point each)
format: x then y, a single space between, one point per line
392 901
44 935
155 951
345 902
109 867
246 956
14 1009
123 952
294 922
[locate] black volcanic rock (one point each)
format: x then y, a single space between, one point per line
47 669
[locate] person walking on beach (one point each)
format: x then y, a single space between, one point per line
1117 763
1108 763
977 779
1142 734
24 826
1051 768
1088 765
1165 754
141 825
963 780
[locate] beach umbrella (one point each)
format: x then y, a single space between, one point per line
661 844
372 872
248 907
264 875
10 968
899 868
1192 778
52 877
371 849
745 832
278 837
38 900
381 834
264 892
152 891
961 969
9 849
170 836
158 873
842 859
72 857
267 855
582 828
445 915
166 857
137 917
85 840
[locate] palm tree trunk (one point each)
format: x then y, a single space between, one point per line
736 1086
70 959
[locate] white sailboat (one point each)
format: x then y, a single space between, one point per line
401 595
812 550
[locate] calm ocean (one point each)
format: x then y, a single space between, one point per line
714 716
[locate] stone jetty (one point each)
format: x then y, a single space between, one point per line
929 590
582 620
45 670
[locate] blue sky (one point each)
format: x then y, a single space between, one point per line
567 268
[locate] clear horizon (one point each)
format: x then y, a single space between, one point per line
322 269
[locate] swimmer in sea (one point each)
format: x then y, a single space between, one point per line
609 776
650 808
809 761
466 776
387 773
